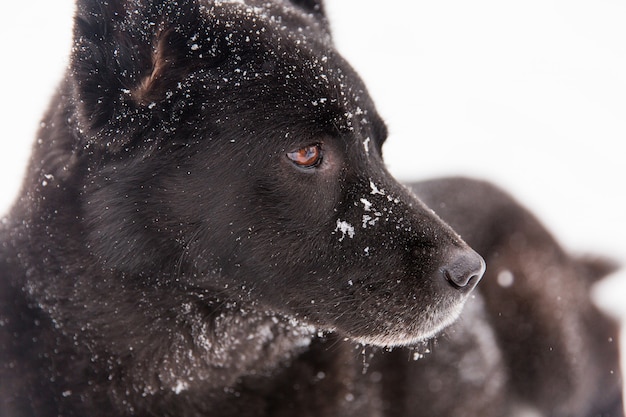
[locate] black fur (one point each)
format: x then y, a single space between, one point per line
166 257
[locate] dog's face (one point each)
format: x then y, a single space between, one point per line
230 149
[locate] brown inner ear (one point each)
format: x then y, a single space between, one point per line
149 90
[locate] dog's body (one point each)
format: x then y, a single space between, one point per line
207 228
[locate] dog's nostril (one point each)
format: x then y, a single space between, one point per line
464 269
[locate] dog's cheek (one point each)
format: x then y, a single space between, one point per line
126 230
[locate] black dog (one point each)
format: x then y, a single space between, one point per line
207 228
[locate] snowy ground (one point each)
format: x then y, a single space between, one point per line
530 95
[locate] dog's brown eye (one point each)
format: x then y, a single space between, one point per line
307 157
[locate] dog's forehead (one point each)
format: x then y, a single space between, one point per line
291 51
269 31
282 15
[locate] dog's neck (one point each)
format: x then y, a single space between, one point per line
221 340
217 344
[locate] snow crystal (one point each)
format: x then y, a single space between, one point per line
376 377
319 101
47 178
180 387
375 189
345 228
505 278
366 204
369 220
366 145
525 410
230 1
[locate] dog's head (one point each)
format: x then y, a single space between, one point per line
229 148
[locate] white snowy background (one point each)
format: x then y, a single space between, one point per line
530 95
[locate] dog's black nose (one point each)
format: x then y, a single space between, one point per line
464 269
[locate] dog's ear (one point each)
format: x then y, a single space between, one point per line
127 58
596 268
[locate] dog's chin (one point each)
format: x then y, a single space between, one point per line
412 335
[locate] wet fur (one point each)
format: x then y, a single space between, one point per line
165 258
